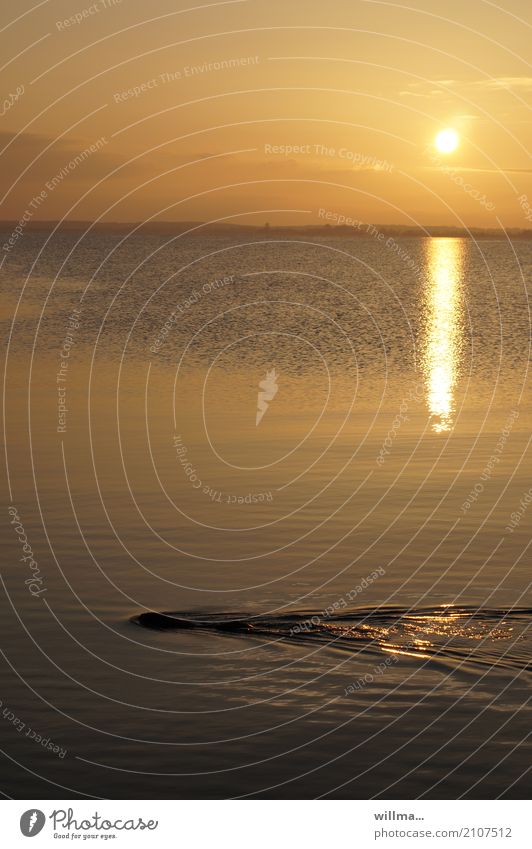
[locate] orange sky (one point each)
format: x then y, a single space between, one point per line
252 111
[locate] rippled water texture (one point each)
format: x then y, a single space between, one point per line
493 637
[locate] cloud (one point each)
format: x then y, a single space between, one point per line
441 169
505 82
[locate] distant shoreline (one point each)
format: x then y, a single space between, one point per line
199 227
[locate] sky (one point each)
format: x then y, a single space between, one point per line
251 110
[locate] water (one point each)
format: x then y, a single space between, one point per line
446 632
372 528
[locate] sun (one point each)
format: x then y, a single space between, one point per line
446 141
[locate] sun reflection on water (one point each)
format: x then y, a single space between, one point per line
443 304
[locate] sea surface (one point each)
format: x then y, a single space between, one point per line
311 454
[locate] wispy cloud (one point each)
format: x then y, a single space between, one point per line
428 88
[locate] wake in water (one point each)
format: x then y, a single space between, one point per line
491 636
